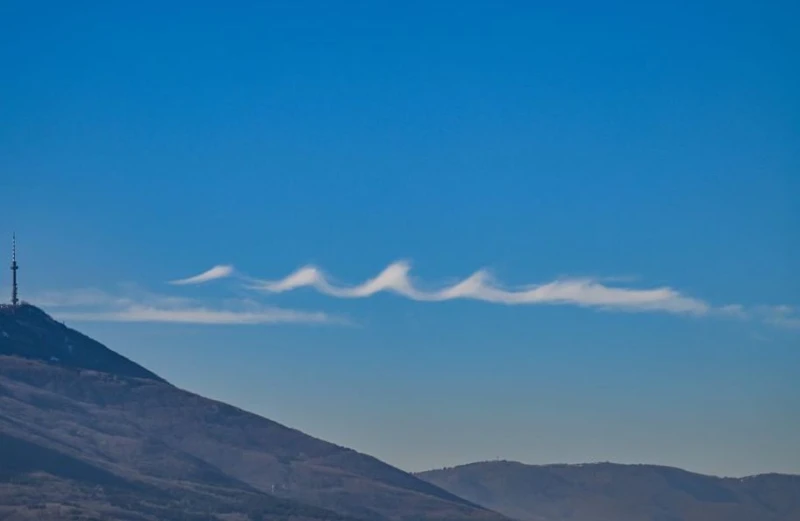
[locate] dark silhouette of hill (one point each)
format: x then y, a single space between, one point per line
86 433
613 492
29 332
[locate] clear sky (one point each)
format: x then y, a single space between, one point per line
627 172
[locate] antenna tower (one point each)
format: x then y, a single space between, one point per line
14 268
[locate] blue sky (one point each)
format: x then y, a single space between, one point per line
640 159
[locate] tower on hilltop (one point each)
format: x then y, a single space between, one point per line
14 268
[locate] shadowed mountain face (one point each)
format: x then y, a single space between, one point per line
29 332
611 492
88 432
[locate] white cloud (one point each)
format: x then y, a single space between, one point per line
200 315
734 310
217 272
137 305
133 304
480 286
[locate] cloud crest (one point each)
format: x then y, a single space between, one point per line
217 272
396 278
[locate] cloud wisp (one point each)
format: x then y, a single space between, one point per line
198 315
480 286
782 316
217 272
136 305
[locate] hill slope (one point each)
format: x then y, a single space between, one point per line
611 492
105 421
29 332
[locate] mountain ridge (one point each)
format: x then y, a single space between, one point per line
597 463
607 491
103 413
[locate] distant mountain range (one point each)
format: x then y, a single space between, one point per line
612 492
86 434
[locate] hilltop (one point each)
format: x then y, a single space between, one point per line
27 331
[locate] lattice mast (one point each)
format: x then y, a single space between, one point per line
14 268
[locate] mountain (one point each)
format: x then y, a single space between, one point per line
29 332
88 434
613 492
